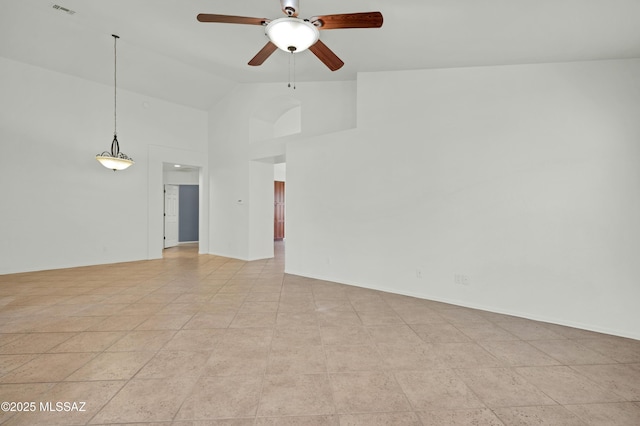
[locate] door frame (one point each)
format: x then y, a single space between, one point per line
155 195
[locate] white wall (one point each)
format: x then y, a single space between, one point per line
280 172
289 123
185 177
60 207
241 189
524 179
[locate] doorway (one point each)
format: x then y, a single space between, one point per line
162 170
278 211
181 214
279 201
181 205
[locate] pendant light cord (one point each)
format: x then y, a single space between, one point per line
115 82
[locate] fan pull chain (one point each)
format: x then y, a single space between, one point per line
294 71
289 69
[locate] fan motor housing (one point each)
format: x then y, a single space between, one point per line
290 7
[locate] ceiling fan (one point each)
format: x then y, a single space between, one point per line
293 34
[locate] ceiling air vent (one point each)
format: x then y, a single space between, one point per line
64 9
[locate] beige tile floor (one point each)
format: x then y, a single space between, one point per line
204 340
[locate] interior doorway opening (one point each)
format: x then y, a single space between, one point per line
279 201
181 213
278 210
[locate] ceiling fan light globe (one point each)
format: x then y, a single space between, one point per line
292 34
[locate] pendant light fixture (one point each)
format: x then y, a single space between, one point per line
114 159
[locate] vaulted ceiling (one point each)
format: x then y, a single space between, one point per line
166 53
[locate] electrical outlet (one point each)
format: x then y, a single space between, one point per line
461 279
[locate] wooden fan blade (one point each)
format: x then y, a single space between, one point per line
348 20
326 55
228 19
263 54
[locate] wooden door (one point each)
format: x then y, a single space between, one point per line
278 211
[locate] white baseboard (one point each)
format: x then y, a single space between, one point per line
525 315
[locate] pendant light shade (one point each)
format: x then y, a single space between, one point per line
114 159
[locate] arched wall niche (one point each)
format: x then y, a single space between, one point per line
276 117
